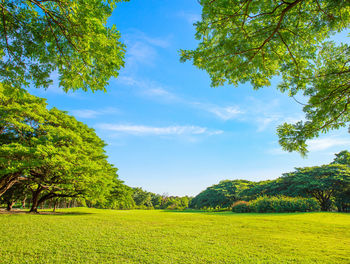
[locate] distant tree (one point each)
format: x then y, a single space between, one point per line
321 182
69 37
120 196
220 195
255 40
342 200
142 198
157 201
342 157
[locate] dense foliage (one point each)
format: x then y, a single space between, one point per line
219 195
283 204
329 185
49 152
70 38
254 40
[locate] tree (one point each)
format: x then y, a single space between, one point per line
254 40
343 157
220 195
142 198
68 37
51 152
19 130
321 182
120 196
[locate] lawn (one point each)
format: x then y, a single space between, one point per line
105 236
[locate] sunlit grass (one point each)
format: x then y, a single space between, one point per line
105 236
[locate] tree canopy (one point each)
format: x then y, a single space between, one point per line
321 182
220 195
50 152
70 38
253 40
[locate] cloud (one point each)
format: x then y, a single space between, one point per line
320 144
225 113
89 113
150 130
142 49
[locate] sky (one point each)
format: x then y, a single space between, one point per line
167 130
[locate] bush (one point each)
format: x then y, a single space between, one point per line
283 204
241 207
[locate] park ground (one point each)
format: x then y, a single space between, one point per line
82 235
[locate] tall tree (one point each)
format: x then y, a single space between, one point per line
254 40
67 37
321 182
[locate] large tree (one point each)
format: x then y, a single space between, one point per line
50 152
69 37
254 40
20 147
321 182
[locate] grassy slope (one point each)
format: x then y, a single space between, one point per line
105 236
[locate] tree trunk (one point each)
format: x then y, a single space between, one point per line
10 205
35 200
55 205
325 204
24 202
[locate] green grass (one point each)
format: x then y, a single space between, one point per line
105 236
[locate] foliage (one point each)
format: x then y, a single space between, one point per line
84 235
219 195
283 204
241 207
50 152
253 41
321 182
142 198
70 38
120 197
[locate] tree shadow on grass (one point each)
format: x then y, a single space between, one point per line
44 212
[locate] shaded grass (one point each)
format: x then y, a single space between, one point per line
106 236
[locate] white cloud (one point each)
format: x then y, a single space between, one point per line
89 113
264 122
226 113
320 144
142 49
149 130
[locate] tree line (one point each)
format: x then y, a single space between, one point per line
328 184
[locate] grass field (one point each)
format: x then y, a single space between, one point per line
105 236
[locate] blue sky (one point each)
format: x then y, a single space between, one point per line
167 130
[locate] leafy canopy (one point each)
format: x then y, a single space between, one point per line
254 40
51 152
39 39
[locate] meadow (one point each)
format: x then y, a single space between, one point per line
83 235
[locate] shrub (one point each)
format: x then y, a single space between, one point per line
283 204
241 207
